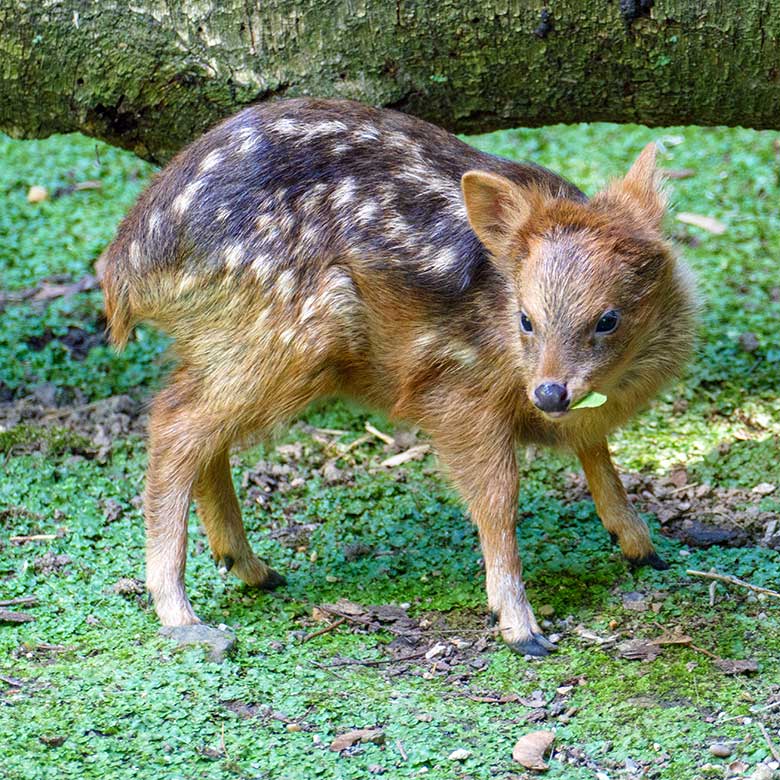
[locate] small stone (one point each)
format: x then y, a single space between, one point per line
635 601
712 770
720 750
461 754
37 194
748 341
764 488
437 649
219 643
293 727
763 772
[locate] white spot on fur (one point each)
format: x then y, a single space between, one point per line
310 238
338 294
262 266
367 211
135 253
286 126
462 353
184 199
442 261
155 219
367 133
308 309
326 128
284 285
233 254
423 344
303 132
223 214
247 138
211 160
344 193
342 148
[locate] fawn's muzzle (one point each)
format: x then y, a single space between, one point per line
551 397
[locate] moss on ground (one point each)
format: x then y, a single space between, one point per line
89 690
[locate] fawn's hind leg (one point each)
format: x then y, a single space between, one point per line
220 514
614 509
178 438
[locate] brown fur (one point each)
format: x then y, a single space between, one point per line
306 248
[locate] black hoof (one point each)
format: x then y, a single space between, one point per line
537 645
651 559
224 565
614 539
273 581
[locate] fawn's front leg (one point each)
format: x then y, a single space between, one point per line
487 476
614 509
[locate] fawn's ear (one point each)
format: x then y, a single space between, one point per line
640 190
495 206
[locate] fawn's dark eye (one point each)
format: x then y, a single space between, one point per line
608 322
525 323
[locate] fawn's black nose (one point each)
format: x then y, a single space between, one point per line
551 397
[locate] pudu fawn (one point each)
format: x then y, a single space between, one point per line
308 248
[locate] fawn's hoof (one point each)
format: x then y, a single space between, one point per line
219 642
537 645
651 559
272 581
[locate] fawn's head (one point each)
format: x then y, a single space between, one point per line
595 285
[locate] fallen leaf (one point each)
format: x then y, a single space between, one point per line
678 173
639 650
6 616
673 639
344 741
437 649
530 749
413 453
48 291
710 224
730 666
90 184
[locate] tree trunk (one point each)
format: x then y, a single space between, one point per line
151 75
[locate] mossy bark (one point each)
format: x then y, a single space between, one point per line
152 74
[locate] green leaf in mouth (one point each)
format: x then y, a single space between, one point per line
590 401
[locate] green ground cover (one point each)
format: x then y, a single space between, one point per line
89 689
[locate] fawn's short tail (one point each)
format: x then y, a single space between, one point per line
116 295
